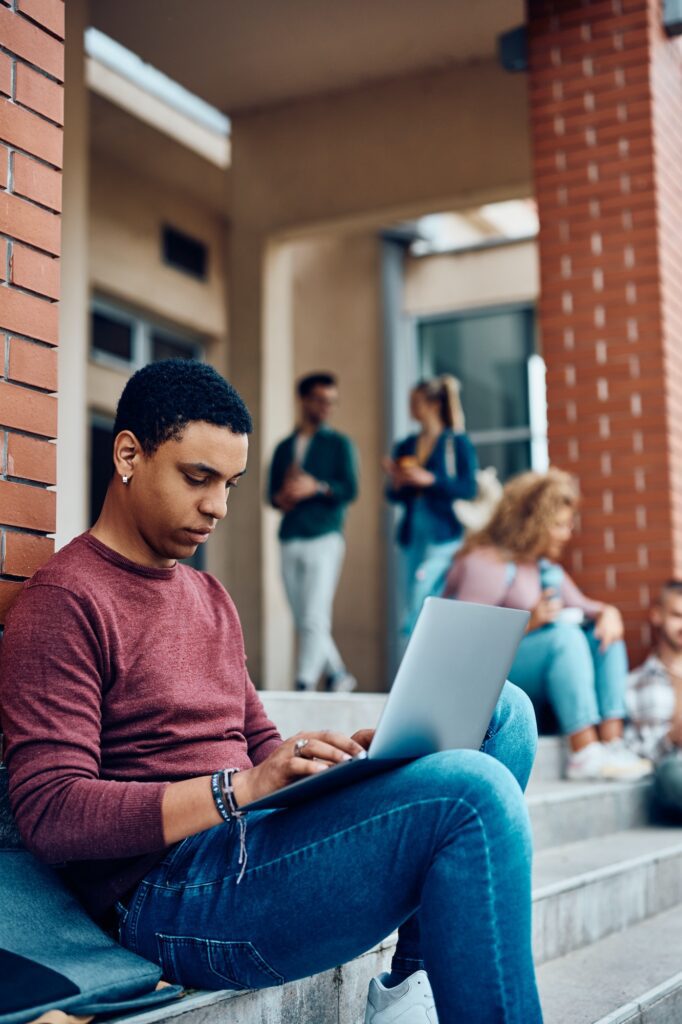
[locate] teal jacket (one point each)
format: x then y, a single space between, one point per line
331 458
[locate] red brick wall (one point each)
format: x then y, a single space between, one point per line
31 119
606 122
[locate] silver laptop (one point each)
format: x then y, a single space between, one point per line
443 697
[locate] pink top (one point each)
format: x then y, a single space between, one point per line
482 576
115 680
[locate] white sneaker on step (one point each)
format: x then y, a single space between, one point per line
410 1002
622 763
586 765
601 762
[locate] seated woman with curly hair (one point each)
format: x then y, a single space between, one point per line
573 653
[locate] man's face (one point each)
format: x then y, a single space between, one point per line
319 404
178 494
667 617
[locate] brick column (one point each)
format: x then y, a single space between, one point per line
31 118
606 125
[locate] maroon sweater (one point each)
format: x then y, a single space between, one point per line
116 679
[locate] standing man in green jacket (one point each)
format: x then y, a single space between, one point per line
313 477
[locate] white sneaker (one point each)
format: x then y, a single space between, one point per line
622 763
586 765
410 1002
606 762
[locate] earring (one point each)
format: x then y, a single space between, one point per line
125 479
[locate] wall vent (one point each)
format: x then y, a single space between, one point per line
184 253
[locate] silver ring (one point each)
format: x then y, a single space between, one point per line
298 747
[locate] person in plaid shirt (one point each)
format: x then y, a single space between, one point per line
654 699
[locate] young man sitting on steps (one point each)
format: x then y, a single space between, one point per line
134 735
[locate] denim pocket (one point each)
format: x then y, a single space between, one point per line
213 964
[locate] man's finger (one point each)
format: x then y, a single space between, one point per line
323 751
339 740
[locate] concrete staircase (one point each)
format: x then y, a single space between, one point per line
607 898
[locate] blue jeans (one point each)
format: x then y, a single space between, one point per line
563 664
424 565
440 847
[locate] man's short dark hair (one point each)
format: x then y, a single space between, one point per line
315 380
160 400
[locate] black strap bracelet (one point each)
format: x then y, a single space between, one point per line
224 798
221 806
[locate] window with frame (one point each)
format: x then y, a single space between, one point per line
123 339
493 354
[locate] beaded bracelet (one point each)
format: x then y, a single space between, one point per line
224 799
227 791
223 810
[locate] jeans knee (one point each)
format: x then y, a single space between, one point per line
482 782
566 635
515 710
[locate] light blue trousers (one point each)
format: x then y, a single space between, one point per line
563 663
310 570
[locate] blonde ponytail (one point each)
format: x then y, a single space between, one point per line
452 412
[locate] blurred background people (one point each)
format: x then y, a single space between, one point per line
654 699
313 478
572 655
427 472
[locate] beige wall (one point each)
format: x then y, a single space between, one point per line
72 488
469 280
127 211
337 326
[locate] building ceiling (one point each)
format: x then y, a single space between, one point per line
125 139
244 54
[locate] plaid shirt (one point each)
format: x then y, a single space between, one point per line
650 702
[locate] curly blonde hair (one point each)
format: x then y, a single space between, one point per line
528 506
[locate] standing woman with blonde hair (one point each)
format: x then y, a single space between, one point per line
427 472
573 653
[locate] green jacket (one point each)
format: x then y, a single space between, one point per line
331 458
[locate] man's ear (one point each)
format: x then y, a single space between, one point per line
127 453
656 616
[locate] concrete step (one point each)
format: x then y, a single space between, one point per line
566 812
344 712
632 977
348 712
587 890
335 997
549 760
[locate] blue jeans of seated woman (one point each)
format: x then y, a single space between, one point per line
446 838
564 664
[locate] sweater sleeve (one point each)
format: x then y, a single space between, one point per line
399 495
477 577
51 699
261 735
343 482
461 484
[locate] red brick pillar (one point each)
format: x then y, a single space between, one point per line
31 116
606 124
